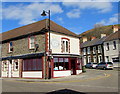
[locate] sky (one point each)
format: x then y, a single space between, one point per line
77 17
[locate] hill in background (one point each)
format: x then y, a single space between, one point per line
96 32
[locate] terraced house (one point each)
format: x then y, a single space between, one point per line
25 52
93 51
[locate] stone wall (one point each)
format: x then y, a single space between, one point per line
20 46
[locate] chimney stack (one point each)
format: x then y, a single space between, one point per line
103 35
92 38
84 39
115 28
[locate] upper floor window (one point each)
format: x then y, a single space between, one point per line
107 46
65 45
31 42
94 50
114 45
10 46
84 51
88 50
99 49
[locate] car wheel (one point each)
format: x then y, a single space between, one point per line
104 68
96 67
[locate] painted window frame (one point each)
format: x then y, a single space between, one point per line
89 59
5 66
16 67
114 45
84 51
107 46
95 59
94 50
62 61
31 42
107 58
10 47
65 43
88 50
100 58
99 49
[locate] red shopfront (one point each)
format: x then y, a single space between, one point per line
65 66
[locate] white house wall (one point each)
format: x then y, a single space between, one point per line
111 53
56 43
78 71
62 73
37 74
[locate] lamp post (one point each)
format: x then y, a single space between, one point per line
44 14
48 69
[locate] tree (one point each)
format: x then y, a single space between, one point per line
98 25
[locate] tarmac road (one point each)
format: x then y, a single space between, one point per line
91 81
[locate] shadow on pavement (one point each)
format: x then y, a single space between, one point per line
65 91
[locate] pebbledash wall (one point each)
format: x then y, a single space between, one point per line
112 53
73 54
21 49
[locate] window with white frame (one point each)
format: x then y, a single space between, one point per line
114 45
107 46
94 59
10 46
99 49
100 58
84 51
31 42
15 66
65 45
89 59
94 50
88 50
107 58
5 66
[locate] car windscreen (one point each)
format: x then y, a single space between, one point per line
109 63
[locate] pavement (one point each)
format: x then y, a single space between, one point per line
81 77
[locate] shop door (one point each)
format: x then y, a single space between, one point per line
10 69
73 66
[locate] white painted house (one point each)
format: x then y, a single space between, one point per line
112 48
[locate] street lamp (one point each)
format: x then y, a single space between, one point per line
48 69
44 14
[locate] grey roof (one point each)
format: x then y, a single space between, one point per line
100 41
94 42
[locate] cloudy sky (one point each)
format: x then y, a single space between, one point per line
78 17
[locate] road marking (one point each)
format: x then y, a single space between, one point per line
70 81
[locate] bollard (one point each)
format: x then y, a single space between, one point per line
83 69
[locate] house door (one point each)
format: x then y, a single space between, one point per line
73 66
10 69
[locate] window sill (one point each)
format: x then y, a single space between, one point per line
10 52
31 48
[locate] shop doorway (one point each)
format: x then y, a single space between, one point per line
73 66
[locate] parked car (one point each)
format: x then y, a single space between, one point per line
105 65
91 65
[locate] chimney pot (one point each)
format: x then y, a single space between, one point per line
84 39
115 28
92 38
